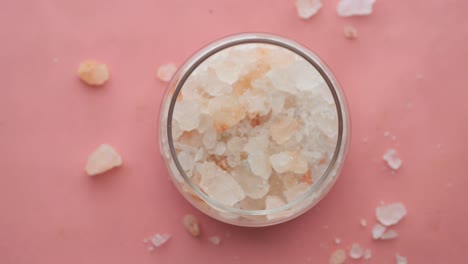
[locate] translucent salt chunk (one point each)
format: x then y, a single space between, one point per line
93 73
226 112
355 7
392 159
400 259
256 102
367 254
337 241
219 185
272 202
166 71
191 225
337 257
282 80
378 231
356 251
187 114
307 8
350 32
254 187
289 161
390 214
293 192
187 162
104 158
283 128
363 222
215 240
160 239
209 138
390 234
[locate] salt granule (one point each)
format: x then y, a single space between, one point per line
378 231
390 214
216 240
93 73
337 257
307 8
191 225
363 222
367 254
159 239
400 259
392 159
355 7
166 71
350 32
104 158
390 234
337 241
356 251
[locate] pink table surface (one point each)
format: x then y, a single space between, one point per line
406 74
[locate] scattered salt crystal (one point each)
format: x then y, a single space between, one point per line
93 73
367 254
355 7
356 251
392 159
166 71
307 8
337 257
363 222
378 231
104 158
216 240
400 259
390 214
386 134
191 225
350 32
390 234
337 241
159 239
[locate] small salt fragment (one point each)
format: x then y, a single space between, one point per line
356 251
390 214
363 222
93 73
104 158
215 240
166 71
367 254
390 234
350 32
378 231
392 159
400 259
386 134
337 241
307 8
187 114
355 7
159 239
337 257
191 225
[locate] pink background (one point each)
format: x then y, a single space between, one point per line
406 74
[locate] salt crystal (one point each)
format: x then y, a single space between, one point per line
356 251
191 225
394 138
378 231
283 128
390 214
363 222
254 186
392 159
104 158
400 259
350 32
337 241
288 161
386 134
390 234
216 240
355 7
93 73
367 254
226 112
150 248
307 8
159 239
166 71
337 257
187 115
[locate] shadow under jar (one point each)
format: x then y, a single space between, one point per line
254 129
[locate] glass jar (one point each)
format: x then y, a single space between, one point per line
233 191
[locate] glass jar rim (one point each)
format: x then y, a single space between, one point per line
259 38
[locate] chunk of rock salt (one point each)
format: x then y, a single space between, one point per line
392 159
187 115
400 259
215 240
355 7
390 234
191 225
307 8
378 231
337 257
159 239
104 158
283 128
363 222
356 251
93 73
166 71
390 214
367 254
350 32
272 202
289 161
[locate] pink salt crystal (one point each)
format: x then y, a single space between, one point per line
355 7
356 251
166 71
390 234
216 240
307 8
93 73
350 32
390 214
191 225
337 257
378 231
104 158
158 240
392 159
400 259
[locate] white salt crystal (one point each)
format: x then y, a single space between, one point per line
350 32
166 71
392 159
337 257
367 254
356 251
191 224
215 240
104 158
337 241
254 187
355 7
226 112
160 239
390 214
400 259
378 231
363 222
289 161
283 128
187 115
307 8
93 73
390 234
